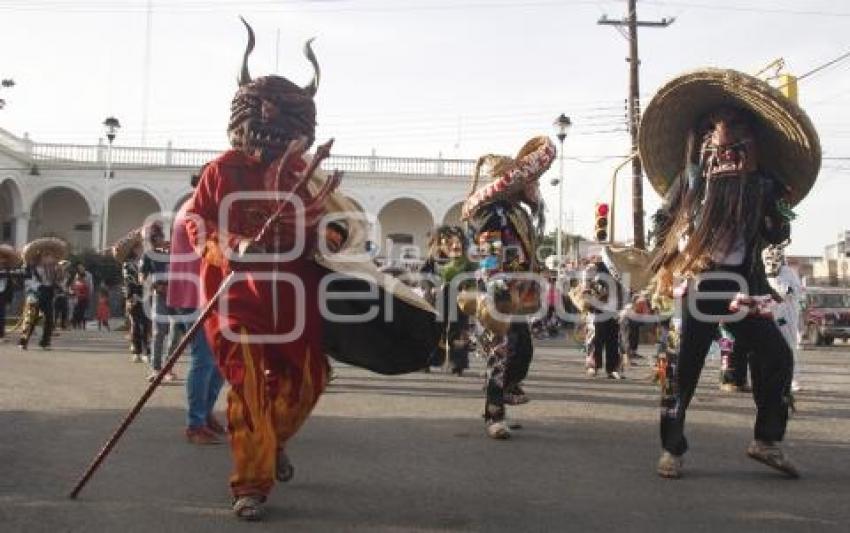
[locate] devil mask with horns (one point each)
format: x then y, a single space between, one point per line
270 111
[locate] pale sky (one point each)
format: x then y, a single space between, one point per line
421 78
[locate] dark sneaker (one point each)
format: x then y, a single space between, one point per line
516 398
284 471
771 455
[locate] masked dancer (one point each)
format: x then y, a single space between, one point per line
447 258
789 290
41 277
273 323
732 155
506 218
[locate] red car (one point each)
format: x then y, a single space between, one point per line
826 315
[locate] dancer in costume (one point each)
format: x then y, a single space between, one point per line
734 363
154 276
601 301
447 258
42 274
128 251
732 155
10 263
505 216
789 289
267 331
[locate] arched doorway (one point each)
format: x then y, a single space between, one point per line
405 223
452 216
10 205
62 212
128 210
181 201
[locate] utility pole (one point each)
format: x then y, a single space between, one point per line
632 23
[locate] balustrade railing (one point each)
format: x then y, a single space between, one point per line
129 156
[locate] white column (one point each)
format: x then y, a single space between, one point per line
95 231
22 227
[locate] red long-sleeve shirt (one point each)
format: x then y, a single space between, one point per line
248 304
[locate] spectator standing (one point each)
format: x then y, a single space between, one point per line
81 295
203 382
154 274
103 309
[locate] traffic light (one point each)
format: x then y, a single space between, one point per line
600 227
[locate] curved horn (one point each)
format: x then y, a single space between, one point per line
313 86
245 76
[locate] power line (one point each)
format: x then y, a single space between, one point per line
828 64
750 9
276 6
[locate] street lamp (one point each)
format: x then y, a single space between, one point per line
562 125
112 126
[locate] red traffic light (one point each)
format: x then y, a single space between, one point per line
602 210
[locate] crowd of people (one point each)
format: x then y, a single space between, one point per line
56 293
729 174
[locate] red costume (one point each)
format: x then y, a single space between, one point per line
266 329
274 386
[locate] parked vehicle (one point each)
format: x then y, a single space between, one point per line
826 315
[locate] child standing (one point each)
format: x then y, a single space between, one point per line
81 291
103 309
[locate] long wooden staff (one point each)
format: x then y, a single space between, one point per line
294 148
166 368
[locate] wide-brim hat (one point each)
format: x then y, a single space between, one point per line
511 179
122 248
788 144
9 257
45 245
628 265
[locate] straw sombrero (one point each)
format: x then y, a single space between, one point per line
9 257
513 179
628 265
45 245
122 248
788 144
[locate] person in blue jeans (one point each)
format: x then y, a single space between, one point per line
203 382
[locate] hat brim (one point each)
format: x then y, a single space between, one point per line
788 144
9 257
46 245
513 179
122 248
629 266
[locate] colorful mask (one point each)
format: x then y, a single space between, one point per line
268 112
728 144
773 257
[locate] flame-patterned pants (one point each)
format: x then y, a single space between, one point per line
268 401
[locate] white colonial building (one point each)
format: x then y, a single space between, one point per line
59 189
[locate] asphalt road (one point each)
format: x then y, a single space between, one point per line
409 453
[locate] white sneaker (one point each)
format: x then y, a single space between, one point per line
498 430
615 375
795 386
591 372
